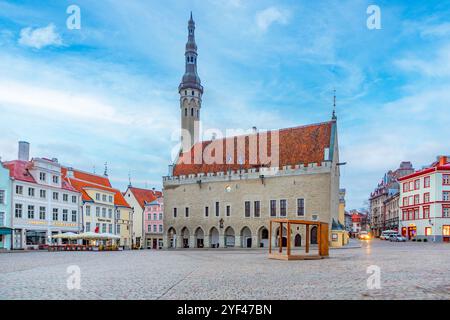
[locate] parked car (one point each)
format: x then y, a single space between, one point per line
385 235
397 238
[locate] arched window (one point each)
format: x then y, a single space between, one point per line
185 112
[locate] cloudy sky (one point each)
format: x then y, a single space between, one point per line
108 91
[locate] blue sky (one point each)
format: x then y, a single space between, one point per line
108 92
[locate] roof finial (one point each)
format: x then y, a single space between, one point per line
192 19
334 106
106 169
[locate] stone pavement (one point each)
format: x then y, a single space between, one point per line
408 271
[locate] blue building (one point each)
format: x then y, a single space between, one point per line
5 209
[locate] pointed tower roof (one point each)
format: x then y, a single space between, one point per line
190 79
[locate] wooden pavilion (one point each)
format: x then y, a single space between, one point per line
322 240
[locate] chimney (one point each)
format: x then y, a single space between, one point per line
70 172
442 160
24 151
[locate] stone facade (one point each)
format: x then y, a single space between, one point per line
316 185
223 192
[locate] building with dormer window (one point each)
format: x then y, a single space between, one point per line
43 204
425 202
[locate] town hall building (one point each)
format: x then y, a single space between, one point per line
223 192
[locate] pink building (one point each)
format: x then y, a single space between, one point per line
153 223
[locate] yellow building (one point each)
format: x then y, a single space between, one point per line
104 209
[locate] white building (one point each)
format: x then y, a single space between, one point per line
43 204
425 202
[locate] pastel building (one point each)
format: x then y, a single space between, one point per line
425 202
43 204
104 209
153 224
137 198
5 209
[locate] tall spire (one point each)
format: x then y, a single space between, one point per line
334 106
191 80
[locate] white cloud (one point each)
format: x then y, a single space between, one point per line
438 30
266 17
40 37
437 66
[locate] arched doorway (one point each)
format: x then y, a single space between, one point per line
229 237
298 240
314 235
172 237
263 236
214 237
199 238
246 238
185 237
284 237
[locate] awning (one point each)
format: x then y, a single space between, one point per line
5 231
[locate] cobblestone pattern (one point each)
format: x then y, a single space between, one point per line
408 271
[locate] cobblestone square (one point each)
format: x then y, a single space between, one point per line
408 271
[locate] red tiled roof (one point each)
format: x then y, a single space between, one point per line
145 195
298 145
18 169
95 182
442 165
93 178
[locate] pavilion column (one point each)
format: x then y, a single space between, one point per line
280 239
307 239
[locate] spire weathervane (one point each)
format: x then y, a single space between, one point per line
129 179
334 106
106 169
